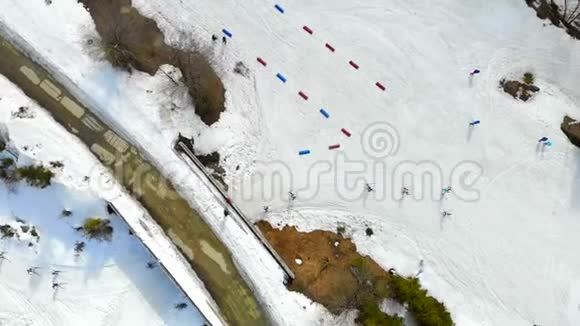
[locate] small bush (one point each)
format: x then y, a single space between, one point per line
241 69
426 309
56 164
341 229
36 175
79 247
23 112
381 288
34 233
529 78
65 213
371 315
98 229
7 231
180 306
369 231
2 145
6 162
361 270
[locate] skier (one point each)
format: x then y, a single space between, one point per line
214 37
32 270
151 264
445 191
446 213
266 209
545 141
369 188
224 40
56 272
57 285
226 212
292 195
421 266
405 191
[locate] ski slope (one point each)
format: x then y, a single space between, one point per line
108 283
507 255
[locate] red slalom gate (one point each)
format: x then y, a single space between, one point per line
330 47
308 29
346 132
353 64
381 86
260 60
334 146
304 96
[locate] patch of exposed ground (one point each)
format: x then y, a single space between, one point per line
566 18
132 41
571 128
330 271
523 90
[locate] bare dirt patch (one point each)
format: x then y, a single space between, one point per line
322 263
329 270
523 90
571 128
132 41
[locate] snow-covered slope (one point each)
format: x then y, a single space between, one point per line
507 255
108 283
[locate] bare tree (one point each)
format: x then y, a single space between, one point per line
571 12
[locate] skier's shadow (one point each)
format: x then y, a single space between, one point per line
469 132
540 150
442 220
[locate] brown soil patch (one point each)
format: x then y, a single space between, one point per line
130 40
571 128
329 274
518 89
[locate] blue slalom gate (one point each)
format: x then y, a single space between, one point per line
228 33
304 152
281 77
324 113
279 8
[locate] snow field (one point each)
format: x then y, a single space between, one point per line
504 259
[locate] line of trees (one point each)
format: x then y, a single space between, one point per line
571 12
